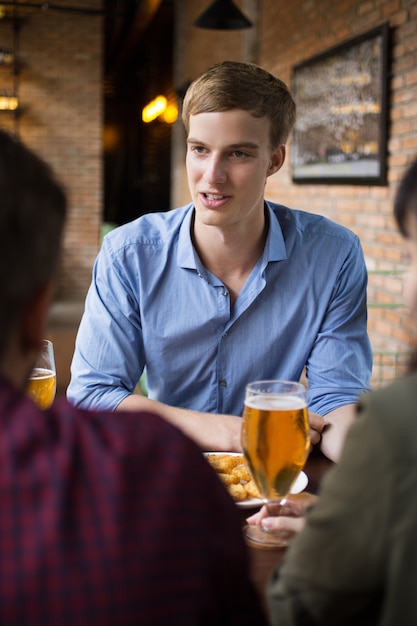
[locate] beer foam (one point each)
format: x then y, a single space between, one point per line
41 372
276 402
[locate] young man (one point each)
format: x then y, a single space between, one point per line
230 288
103 521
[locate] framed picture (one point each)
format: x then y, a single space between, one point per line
340 135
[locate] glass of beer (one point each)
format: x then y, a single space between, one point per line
275 442
42 381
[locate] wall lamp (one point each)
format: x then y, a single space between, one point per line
160 108
223 15
9 103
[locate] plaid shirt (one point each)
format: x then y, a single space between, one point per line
113 519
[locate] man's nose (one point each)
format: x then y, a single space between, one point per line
215 170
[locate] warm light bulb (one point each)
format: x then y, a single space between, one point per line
13 103
170 115
154 109
8 103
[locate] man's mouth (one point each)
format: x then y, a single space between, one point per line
213 196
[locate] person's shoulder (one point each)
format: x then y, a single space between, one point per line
144 436
393 409
148 229
143 426
309 224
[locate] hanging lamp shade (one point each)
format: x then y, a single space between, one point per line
223 15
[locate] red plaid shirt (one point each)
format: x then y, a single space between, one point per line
113 519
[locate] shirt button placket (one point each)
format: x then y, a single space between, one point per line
223 382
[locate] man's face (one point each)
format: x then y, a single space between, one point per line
228 161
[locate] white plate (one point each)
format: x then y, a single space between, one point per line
299 486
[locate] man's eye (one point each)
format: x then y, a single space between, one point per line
198 149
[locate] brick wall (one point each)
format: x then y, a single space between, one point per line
292 32
60 90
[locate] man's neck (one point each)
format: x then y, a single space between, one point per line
231 256
16 365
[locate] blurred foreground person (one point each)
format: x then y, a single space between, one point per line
355 562
103 521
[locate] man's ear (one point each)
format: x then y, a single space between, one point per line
277 160
34 318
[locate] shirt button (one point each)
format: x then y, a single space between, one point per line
224 292
223 383
224 335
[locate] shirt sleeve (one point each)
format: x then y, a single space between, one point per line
340 363
108 358
333 571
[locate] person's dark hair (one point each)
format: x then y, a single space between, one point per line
246 86
405 203
32 214
406 199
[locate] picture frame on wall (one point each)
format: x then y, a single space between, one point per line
340 135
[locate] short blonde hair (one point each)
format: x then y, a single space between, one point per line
246 86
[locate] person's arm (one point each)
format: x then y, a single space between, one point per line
223 432
340 364
333 435
209 431
332 566
108 357
330 431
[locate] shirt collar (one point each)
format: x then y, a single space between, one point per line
275 249
187 256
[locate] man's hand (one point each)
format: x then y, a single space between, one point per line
330 431
288 517
317 426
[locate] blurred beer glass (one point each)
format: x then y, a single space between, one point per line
42 381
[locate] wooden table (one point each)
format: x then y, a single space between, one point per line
265 559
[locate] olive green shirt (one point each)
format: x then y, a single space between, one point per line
356 561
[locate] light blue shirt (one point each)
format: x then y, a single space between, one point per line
152 303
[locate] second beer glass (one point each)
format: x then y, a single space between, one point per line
42 381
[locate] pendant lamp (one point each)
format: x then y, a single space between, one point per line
222 15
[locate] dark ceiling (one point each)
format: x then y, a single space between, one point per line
128 24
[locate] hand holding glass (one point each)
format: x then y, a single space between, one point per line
275 444
42 381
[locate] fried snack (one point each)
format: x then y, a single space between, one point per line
238 492
252 489
232 470
241 472
224 463
229 479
